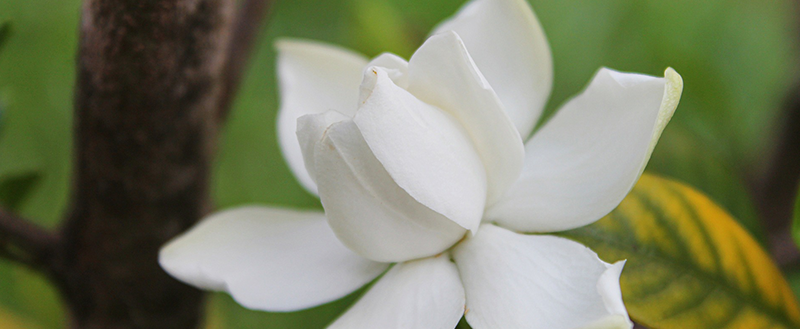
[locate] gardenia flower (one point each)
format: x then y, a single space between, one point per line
422 164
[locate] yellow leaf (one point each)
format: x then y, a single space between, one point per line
11 321
690 265
214 317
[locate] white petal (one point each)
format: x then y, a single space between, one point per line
367 210
314 78
394 65
310 130
425 151
508 45
537 281
424 293
268 259
441 73
587 158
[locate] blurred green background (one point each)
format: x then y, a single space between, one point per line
738 58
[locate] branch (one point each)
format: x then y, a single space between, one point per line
784 250
24 242
775 191
249 18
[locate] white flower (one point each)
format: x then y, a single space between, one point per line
423 166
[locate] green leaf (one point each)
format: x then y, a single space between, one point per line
5 32
796 220
20 169
690 265
8 320
14 190
680 153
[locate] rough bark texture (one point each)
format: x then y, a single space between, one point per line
155 80
147 94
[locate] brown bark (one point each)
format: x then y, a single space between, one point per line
155 80
148 86
775 192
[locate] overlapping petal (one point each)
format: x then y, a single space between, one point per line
587 158
369 212
508 45
310 130
395 67
268 259
442 74
313 78
424 293
425 150
536 281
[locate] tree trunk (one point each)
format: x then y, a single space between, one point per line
148 88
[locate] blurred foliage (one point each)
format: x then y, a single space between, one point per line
690 265
233 315
5 31
34 143
736 61
37 73
793 277
737 58
13 190
11 321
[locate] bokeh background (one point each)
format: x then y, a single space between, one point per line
739 60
